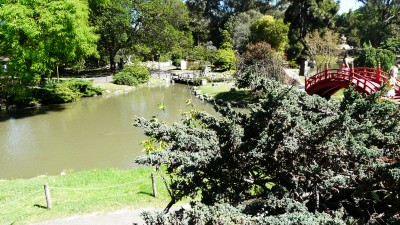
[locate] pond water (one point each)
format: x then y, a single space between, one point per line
92 133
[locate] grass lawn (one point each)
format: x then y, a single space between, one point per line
23 201
216 89
113 87
222 91
153 81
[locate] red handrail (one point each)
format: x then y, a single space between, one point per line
370 79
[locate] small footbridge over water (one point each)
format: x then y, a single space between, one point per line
365 80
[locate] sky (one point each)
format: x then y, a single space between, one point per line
345 5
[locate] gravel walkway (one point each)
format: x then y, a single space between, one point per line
120 217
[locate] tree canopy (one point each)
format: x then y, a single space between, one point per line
306 16
271 30
140 25
39 35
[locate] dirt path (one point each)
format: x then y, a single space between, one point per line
120 217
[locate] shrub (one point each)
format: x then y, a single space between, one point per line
22 96
84 87
371 57
70 90
176 62
292 155
198 80
259 62
124 78
132 75
59 92
225 59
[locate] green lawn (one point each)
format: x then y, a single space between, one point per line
216 89
23 201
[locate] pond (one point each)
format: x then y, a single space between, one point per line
91 133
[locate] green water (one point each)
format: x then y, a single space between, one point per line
92 133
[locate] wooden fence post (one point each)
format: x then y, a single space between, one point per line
153 182
47 193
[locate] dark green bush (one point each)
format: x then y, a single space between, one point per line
124 78
132 75
69 90
59 92
372 57
297 156
176 62
84 87
53 92
20 95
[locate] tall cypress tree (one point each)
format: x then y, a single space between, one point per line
306 16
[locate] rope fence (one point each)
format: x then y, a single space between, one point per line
48 188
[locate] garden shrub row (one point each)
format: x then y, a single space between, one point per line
53 92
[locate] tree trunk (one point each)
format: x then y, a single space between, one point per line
302 66
112 61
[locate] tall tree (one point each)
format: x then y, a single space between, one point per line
306 16
155 26
348 24
218 12
274 31
380 20
238 27
39 35
322 47
112 20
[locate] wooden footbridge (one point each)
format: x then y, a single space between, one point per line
365 80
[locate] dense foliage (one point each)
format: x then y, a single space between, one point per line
270 30
260 61
373 57
139 27
292 159
323 48
53 92
225 57
132 75
238 27
307 16
38 36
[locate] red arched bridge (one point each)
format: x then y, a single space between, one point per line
365 80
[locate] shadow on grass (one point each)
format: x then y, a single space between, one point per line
145 193
40 206
236 96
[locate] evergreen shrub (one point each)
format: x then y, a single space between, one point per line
21 96
69 90
84 87
225 59
290 158
56 92
123 78
259 62
132 75
372 57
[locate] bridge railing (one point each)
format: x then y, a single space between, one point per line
325 74
369 79
374 74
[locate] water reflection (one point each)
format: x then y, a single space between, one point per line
92 133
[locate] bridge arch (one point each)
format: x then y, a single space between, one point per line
365 80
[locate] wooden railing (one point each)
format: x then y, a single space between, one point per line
369 79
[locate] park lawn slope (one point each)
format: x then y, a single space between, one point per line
23 201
